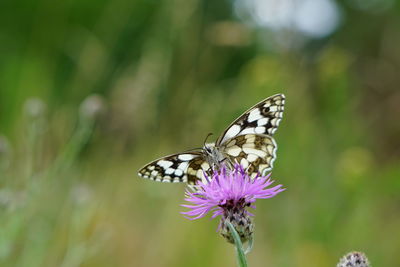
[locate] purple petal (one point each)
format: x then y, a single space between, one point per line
227 186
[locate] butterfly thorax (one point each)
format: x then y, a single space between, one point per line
213 155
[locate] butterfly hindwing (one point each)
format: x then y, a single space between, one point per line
255 152
183 167
262 118
196 170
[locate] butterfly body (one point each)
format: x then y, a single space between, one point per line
213 155
247 141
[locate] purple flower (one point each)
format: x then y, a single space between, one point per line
354 259
228 194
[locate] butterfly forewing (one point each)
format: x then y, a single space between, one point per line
255 152
175 168
263 118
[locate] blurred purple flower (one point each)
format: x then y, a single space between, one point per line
227 194
354 259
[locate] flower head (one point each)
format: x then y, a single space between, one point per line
354 259
227 194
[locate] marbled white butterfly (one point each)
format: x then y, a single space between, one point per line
247 141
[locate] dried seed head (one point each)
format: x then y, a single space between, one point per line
34 107
92 107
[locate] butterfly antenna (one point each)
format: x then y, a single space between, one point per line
193 149
197 148
205 140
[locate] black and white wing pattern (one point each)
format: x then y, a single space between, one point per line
184 167
255 152
262 118
247 141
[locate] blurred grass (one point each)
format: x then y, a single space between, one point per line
90 91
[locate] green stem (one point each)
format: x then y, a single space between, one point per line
78 140
241 257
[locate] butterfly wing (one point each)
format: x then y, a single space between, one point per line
183 167
263 118
255 152
247 141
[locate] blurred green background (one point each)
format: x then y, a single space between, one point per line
92 90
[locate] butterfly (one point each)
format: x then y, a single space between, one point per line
246 141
